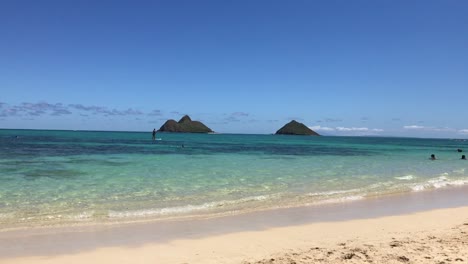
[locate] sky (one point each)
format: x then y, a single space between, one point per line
379 68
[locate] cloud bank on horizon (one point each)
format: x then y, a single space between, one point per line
349 131
28 111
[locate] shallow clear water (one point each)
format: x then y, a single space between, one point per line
49 177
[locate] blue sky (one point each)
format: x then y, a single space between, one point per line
396 68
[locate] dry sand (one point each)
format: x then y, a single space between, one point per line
416 243
437 236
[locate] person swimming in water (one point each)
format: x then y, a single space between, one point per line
463 157
154 134
433 157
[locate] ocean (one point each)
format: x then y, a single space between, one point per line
84 177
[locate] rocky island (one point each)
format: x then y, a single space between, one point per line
296 128
185 125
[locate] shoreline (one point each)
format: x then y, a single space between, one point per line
452 192
78 242
414 238
202 215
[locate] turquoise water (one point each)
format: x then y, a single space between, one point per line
56 177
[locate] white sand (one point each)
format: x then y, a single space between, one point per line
437 236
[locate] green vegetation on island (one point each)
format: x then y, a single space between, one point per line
185 125
296 128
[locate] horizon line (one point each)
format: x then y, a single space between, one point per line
266 134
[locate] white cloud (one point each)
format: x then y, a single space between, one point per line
442 129
33 109
351 131
414 127
463 131
321 128
430 129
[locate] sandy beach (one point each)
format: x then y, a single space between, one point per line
412 235
439 236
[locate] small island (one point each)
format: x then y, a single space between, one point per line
185 125
296 128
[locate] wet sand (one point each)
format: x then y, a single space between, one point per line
427 227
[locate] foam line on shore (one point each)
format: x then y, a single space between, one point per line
75 239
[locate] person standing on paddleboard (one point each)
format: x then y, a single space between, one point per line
154 134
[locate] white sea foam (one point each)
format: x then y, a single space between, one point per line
437 183
183 209
6 215
380 185
442 181
329 193
160 211
81 216
406 177
418 187
52 217
343 199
